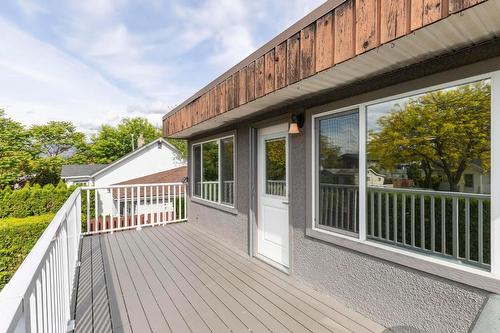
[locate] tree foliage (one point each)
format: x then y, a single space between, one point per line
56 139
14 151
445 130
111 143
37 154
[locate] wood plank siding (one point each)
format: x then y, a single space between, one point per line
343 30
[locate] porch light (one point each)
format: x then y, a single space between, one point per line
296 124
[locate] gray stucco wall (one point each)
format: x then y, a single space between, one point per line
401 298
229 225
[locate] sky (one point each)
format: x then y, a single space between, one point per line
95 62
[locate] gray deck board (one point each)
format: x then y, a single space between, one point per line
313 320
177 278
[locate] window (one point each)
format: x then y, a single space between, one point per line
469 180
227 171
338 171
426 173
276 167
423 145
213 170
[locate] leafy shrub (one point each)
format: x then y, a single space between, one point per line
17 238
33 200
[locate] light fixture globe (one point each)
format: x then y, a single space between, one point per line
293 129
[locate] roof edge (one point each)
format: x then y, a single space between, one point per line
281 37
132 153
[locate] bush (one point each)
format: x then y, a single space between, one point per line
17 238
33 200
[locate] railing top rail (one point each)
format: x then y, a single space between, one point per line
129 185
12 295
430 192
338 185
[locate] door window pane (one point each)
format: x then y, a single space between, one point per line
227 170
275 151
338 174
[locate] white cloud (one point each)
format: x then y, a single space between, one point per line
101 60
40 83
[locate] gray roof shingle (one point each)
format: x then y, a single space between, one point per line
81 170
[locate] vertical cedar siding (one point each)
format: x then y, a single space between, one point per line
251 82
353 27
293 59
259 77
242 86
394 19
367 36
344 31
324 42
229 93
269 72
280 65
307 51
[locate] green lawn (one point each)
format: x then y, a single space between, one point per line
17 237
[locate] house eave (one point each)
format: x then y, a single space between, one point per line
475 25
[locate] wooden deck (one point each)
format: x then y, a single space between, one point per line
178 279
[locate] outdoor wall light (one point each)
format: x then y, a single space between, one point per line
296 124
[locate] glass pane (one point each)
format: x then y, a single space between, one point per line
227 171
421 148
197 170
276 167
210 181
338 156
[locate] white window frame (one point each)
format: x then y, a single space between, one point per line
219 194
438 266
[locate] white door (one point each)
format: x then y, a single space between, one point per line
273 193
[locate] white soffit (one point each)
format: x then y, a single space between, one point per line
477 24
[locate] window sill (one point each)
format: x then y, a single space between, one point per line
449 270
215 205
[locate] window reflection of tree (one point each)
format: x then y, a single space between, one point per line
276 159
434 137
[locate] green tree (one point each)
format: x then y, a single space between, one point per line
14 151
444 130
111 143
56 139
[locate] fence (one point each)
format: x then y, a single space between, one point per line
121 207
37 299
450 224
276 187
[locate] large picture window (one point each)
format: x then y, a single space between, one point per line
424 155
427 172
213 170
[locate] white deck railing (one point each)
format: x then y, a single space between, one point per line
339 206
121 207
450 224
276 187
38 297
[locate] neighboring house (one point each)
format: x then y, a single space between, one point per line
326 79
157 199
374 178
80 174
149 160
155 157
474 180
